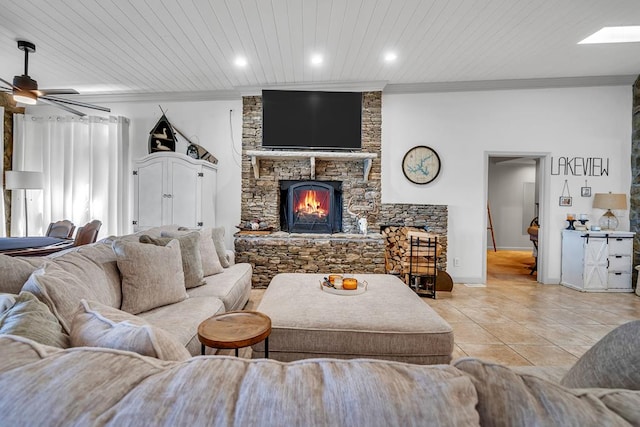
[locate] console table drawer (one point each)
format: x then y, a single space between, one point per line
620 263
620 246
619 280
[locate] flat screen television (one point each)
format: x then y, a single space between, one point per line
311 119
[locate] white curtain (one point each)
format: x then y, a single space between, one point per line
85 162
3 220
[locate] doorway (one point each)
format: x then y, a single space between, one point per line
514 192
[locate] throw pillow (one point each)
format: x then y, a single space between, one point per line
613 362
98 325
217 234
152 275
61 286
32 319
190 253
210 261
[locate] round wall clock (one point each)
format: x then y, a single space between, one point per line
421 164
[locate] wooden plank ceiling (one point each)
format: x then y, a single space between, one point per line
157 46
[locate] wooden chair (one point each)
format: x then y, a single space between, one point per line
88 233
61 229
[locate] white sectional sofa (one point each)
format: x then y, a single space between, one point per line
91 272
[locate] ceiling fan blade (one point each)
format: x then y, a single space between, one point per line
64 107
45 92
7 83
77 103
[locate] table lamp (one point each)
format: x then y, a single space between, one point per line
24 180
609 201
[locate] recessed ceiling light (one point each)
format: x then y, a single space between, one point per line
240 61
316 59
614 35
390 56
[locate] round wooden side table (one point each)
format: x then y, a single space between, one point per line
235 329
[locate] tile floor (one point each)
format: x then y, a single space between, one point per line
516 321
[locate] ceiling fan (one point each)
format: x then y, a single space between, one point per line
25 89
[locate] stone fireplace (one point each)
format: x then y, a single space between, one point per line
311 206
293 193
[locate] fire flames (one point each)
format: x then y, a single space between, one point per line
310 203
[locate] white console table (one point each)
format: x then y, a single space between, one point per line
597 261
256 155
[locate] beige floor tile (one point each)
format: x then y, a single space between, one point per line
450 314
472 333
484 315
509 333
593 331
576 350
561 334
542 355
497 353
606 317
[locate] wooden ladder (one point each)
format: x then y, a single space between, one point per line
490 227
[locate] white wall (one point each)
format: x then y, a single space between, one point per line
506 195
204 122
465 127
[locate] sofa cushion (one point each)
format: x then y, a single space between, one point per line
32 319
97 325
181 320
88 386
232 286
613 362
506 398
61 286
14 272
210 261
217 234
190 255
152 276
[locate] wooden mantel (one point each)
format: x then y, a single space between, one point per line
256 155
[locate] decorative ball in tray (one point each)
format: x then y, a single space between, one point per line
338 285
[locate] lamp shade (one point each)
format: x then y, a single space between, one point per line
23 180
610 201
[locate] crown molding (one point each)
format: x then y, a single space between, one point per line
361 86
338 86
212 95
481 85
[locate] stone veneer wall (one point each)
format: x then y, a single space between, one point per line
434 217
10 109
346 252
261 197
634 210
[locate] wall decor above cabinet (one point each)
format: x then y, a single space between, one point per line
162 137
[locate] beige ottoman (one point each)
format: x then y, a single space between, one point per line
389 321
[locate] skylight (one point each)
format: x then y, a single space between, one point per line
627 34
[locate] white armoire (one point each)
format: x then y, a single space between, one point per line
599 261
172 188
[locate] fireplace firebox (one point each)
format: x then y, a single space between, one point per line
311 206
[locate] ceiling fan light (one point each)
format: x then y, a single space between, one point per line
25 97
